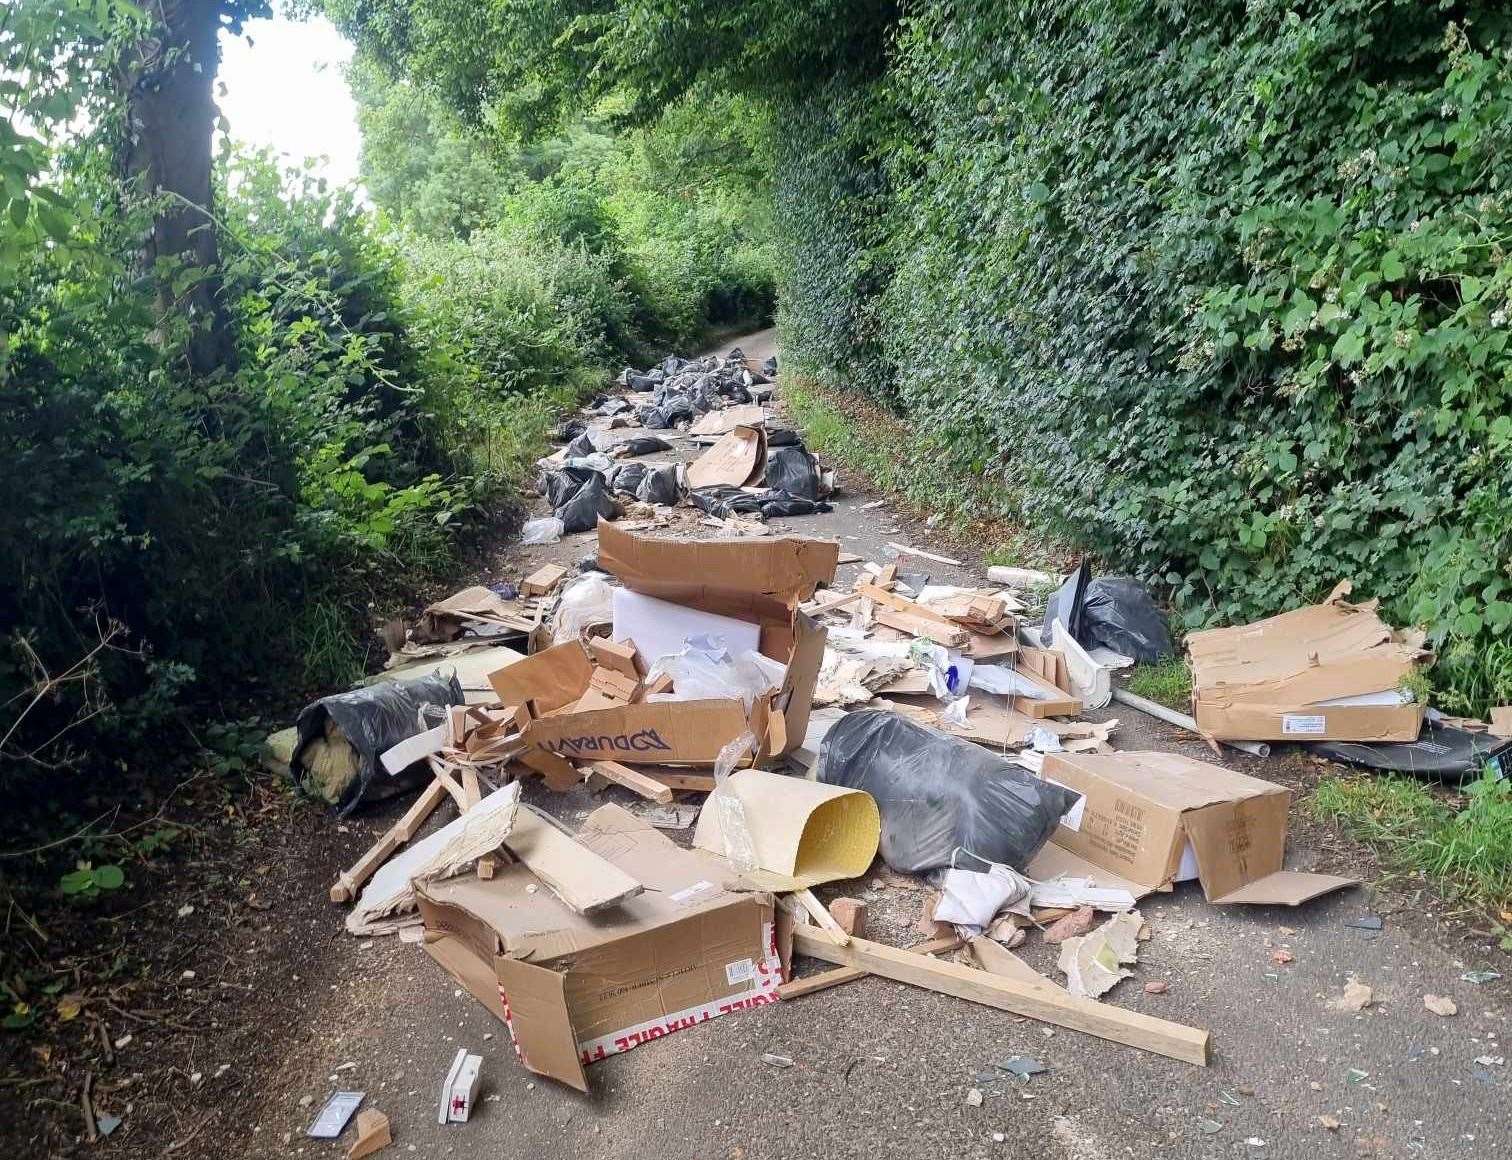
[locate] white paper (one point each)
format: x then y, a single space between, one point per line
660 628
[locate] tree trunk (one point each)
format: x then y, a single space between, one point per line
168 85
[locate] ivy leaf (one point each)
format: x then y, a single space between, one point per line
1037 192
1391 267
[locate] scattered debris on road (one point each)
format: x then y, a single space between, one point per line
895 733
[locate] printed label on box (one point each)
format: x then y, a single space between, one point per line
1303 723
742 971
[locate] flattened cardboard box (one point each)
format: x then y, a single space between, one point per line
572 988
759 581
1281 679
1141 810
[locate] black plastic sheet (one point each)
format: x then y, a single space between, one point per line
1442 752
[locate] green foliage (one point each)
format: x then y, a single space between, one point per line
1169 682
528 64
1468 847
86 882
1220 292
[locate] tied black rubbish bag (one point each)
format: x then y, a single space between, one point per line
939 796
627 477
1115 612
581 446
372 720
581 513
562 484
792 469
570 430
660 485
782 437
642 445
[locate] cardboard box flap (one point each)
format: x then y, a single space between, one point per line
1286 888
535 1001
719 575
475 974
1382 669
1237 842
552 678
1055 861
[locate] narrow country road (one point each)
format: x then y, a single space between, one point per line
883 1070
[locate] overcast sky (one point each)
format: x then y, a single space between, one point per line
284 88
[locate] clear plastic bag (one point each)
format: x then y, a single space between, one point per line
587 601
739 849
547 530
704 671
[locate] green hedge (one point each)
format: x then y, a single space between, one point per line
1220 290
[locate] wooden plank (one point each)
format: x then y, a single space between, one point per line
997 959
573 872
637 783
824 980
676 779
820 914
1036 1000
351 881
953 636
907 551
542 580
903 604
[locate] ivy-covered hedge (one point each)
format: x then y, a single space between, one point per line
1219 288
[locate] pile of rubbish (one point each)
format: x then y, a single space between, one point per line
751 470
898 733
816 730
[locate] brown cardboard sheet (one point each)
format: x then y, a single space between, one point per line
737 459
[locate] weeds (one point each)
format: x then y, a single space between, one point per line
1467 844
333 656
896 458
1169 682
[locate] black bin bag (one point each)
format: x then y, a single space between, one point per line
793 470
938 795
581 512
1113 611
373 720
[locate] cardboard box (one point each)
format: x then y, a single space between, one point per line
575 989
1328 672
1141 811
759 582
